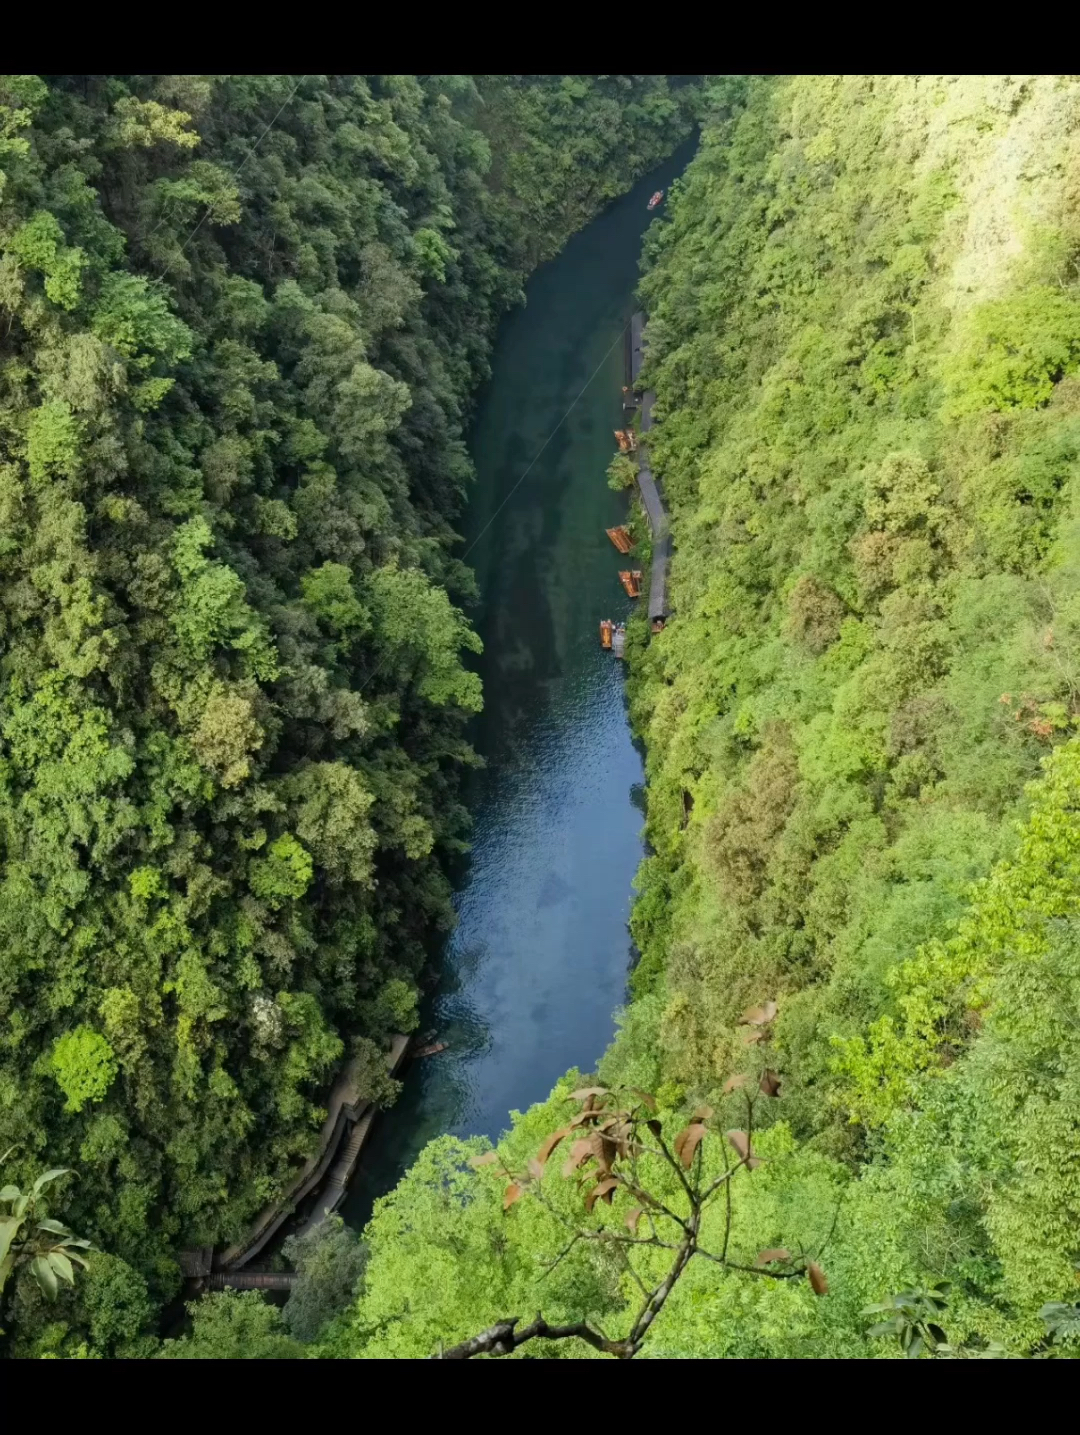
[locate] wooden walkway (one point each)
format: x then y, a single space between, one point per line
346 1113
252 1280
652 496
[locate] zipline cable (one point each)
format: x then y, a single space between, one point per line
160 278
621 335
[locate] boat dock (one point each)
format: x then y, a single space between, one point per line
652 496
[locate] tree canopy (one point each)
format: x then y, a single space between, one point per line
242 321
862 762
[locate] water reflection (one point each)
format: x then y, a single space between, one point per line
538 961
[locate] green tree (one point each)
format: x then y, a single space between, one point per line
233 1325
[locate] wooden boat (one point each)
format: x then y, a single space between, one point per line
606 627
432 1050
627 440
621 539
657 197
631 581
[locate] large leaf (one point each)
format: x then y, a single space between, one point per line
687 1142
550 1144
45 1276
775 1253
605 1189
633 1216
9 1229
55 1227
488 1158
62 1266
741 1144
10 1193
48 1177
586 1092
584 1116
604 1149
817 1278
769 1084
887 1327
733 1083
512 1193
580 1151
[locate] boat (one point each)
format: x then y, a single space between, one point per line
631 581
618 640
657 197
433 1049
621 539
606 628
627 440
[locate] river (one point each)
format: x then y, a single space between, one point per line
538 963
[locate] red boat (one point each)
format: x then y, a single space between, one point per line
657 197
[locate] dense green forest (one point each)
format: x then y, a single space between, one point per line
864 783
233 705
242 321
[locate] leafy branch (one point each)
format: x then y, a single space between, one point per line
611 1135
28 1238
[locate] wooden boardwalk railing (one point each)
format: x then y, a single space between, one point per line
652 497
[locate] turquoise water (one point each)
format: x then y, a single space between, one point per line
538 963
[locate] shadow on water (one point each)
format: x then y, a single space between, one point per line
538 961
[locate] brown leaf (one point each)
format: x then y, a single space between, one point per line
759 1015
776 1253
655 1127
633 1216
649 1100
535 1168
770 1083
602 1188
687 1142
702 1113
487 1159
582 1118
550 1144
733 1083
580 1151
586 1092
604 1149
741 1144
512 1193
817 1278
752 1036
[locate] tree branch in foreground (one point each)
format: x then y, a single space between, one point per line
610 1140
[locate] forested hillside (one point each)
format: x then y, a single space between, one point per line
864 783
242 319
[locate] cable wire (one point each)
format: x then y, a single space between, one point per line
160 278
621 335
